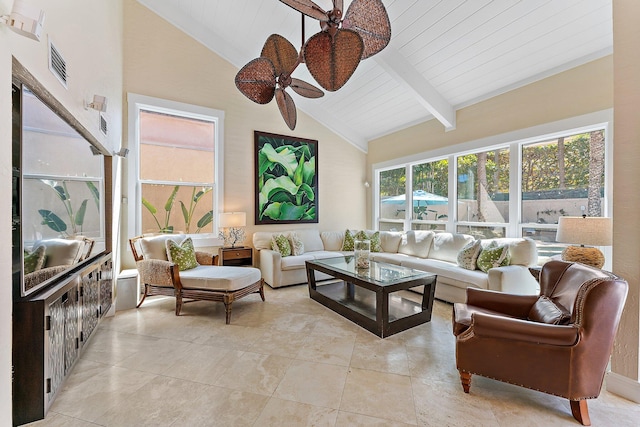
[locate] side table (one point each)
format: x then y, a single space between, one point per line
238 256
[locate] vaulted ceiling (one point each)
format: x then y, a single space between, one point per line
444 54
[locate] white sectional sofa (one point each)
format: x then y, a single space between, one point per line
423 250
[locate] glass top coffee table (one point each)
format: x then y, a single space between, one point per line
369 297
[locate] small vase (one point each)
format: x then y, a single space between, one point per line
361 253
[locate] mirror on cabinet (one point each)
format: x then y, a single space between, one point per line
60 195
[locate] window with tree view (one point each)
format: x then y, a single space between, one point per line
483 193
561 177
177 170
392 199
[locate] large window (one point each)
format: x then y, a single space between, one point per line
483 193
177 150
519 185
563 176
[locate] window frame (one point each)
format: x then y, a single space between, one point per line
138 103
514 141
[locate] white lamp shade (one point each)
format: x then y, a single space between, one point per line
233 219
595 231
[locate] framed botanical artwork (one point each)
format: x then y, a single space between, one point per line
286 171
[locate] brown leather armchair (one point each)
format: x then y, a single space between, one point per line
558 343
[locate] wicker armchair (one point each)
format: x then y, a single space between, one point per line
207 281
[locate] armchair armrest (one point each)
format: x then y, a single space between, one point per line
206 258
513 305
157 272
489 326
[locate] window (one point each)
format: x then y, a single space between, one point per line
392 185
177 166
511 185
483 193
430 184
563 176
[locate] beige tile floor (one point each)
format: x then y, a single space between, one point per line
290 362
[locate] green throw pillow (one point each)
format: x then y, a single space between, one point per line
347 243
183 255
493 256
35 260
297 247
280 243
374 240
468 256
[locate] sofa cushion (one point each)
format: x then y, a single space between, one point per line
297 247
416 243
311 240
280 243
349 238
522 250
156 247
262 240
372 236
220 278
391 258
546 311
183 254
390 241
332 240
449 272
468 256
445 246
296 262
493 256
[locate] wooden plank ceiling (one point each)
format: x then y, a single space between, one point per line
443 55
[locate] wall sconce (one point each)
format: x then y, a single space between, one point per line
122 153
99 103
232 224
584 230
25 20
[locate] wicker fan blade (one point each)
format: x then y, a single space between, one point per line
257 80
281 53
332 60
307 7
370 19
287 108
305 89
338 4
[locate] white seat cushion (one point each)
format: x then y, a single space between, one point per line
219 278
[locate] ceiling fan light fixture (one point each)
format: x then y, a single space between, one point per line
331 56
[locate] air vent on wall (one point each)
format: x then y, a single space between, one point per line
57 64
103 124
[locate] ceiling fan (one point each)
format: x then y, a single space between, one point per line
331 55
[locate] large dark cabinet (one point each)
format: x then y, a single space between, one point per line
50 331
54 320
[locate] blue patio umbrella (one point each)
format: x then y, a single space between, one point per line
420 198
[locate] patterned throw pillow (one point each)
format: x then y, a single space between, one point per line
468 256
374 240
280 243
297 247
35 260
347 243
493 257
183 255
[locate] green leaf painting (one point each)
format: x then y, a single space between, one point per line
286 179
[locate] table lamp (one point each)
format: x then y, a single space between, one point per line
584 230
233 222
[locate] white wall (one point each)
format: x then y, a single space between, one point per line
88 33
